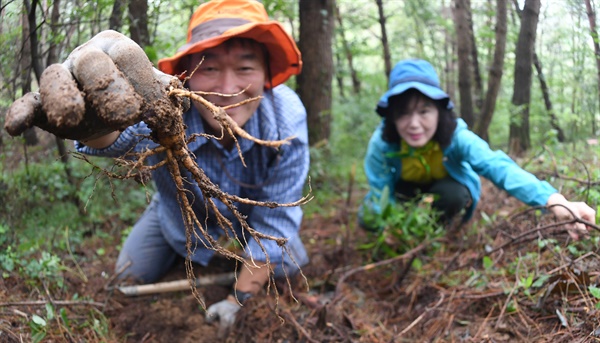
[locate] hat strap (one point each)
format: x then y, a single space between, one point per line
419 79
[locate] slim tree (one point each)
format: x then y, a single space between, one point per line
560 136
115 22
465 72
519 139
594 33
314 83
387 59
347 52
477 82
496 70
138 22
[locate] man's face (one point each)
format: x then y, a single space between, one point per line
229 69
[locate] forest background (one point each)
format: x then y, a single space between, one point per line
525 75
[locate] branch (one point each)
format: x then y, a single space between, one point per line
408 254
55 302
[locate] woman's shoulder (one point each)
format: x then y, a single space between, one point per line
463 135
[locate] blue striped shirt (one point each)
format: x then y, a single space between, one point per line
270 175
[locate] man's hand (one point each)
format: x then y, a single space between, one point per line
105 85
566 210
224 311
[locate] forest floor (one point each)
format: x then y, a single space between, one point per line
348 295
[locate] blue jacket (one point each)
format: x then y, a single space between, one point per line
467 157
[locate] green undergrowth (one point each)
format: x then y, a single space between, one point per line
45 217
401 226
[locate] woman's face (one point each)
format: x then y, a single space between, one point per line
417 123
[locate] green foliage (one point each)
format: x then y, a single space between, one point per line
402 226
40 204
39 327
595 292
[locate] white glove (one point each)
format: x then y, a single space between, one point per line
224 311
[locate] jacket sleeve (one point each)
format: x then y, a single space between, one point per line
380 174
287 179
499 168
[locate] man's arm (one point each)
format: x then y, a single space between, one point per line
102 142
251 280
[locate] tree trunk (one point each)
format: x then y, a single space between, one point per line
519 140
348 53
29 53
413 12
461 18
138 22
33 38
52 49
387 59
115 22
448 75
339 77
51 59
592 19
314 83
546 93
477 82
496 70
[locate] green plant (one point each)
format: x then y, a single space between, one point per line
39 325
401 226
595 292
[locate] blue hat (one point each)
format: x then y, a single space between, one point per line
417 74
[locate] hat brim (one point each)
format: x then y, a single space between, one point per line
427 90
284 57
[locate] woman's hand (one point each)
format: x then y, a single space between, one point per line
564 209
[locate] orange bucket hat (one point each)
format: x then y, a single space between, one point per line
216 21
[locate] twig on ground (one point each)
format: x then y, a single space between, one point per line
301 330
408 254
482 326
582 257
56 302
419 318
519 238
508 298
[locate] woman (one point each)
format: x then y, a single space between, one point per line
421 147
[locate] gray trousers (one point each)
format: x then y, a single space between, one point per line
146 256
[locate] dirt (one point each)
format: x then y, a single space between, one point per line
449 299
372 306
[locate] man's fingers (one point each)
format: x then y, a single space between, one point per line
212 314
22 113
106 88
61 99
132 62
138 69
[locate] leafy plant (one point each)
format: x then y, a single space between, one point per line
402 226
39 325
595 292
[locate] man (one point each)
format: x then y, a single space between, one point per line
232 49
